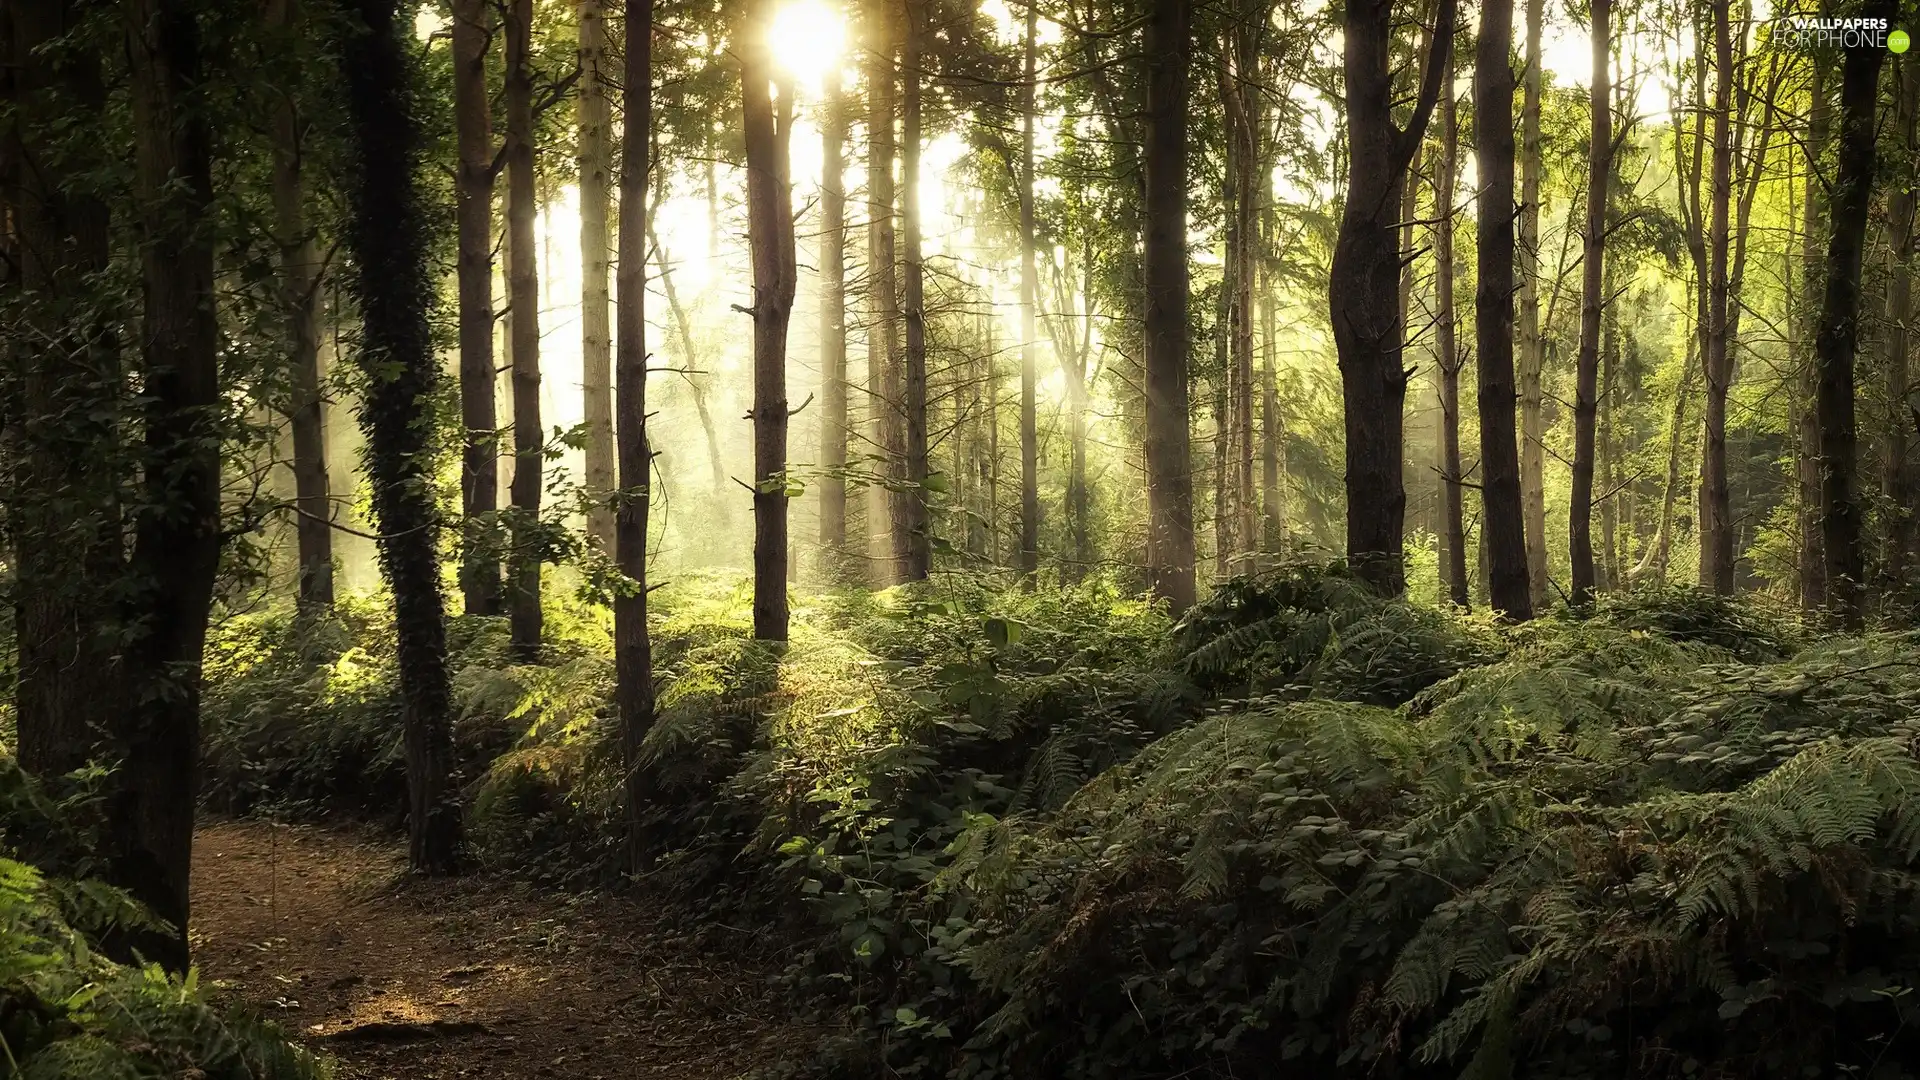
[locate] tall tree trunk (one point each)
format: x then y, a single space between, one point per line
833 330
389 237
919 561
1593 300
1606 451
1029 301
683 329
1367 327
1533 424
770 235
1224 518
300 305
523 299
1716 523
1447 350
1654 561
1240 76
1501 524
473 188
66 563
1896 484
596 345
176 554
632 646
1839 329
1813 556
1170 555
1272 497
884 392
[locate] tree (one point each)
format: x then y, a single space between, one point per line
1501 524
883 299
389 239
1364 281
1533 425
1029 301
473 195
1593 301
632 646
770 233
1838 338
833 330
596 346
1896 484
1716 524
523 307
1446 349
1169 45
919 520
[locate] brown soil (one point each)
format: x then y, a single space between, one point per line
405 979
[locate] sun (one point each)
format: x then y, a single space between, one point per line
808 37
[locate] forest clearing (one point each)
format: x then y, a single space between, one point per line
959 539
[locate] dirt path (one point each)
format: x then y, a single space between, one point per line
415 980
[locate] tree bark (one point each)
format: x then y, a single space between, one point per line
1813 556
1029 292
833 330
1272 425
390 240
1239 79
523 299
632 645
596 345
473 192
1533 424
1896 484
919 522
1716 524
300 271
1838 338
1367 328
884 392
1593 300
1447 351
1501 521
770 235
1170 554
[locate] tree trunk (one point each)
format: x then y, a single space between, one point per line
473 190
1593 300
596 345
1896 484
1169 44
1367 328
1839 329
833 331
1716 524
1239 80
1029 301
919 523
632 646
1606 451
523 299
390 240
1447 351
176 554
689 359
66 563
884 393
770 235
1533 424
1501 523
300 305
1655 559
1272 426
1813 557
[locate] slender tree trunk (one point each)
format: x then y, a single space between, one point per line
596 344
1896 484
1272 497
1592 305
1222 388
1447 351
689 358
1655 559
1501 523
1367 326
884 393
1170 555
1838 338
919 561
1606 451
63 514
1244 118
632 646
770 234
523 298
833 330
389 239
1813 557
473 188
1029 293
1533 424
300 304
1716 524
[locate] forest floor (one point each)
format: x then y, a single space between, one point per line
400 978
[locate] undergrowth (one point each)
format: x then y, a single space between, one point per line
1303 831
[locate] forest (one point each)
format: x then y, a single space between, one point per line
785 539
